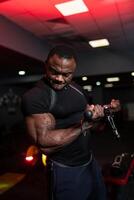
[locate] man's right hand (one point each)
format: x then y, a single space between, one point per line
97 111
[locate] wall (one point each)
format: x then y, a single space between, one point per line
18 39
103 61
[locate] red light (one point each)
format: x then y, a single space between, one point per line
29 158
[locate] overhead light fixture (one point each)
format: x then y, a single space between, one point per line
21 73
84 78
98 83
72 7
99 43
87 87
132 73
113 79
109 85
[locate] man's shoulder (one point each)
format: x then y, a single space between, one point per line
76 85
84 92
36 99
39 94
38 90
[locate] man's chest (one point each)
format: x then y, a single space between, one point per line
69 101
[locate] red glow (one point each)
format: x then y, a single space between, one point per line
29 158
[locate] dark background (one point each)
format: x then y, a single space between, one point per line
28 30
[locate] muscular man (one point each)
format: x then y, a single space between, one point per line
54 112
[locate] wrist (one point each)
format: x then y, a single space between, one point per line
84 127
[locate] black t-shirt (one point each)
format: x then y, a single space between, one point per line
68 109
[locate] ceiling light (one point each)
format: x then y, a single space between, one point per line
72 7
87 87
109 85
98 83
21 73
84 78
99 43
113 79
132 73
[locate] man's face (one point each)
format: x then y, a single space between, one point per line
59 71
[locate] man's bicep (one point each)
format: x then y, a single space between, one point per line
39 124
31 129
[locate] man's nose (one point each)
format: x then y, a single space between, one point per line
60 78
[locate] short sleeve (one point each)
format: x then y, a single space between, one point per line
35 101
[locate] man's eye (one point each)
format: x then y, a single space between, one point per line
54 72
67 75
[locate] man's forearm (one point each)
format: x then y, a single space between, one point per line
59 137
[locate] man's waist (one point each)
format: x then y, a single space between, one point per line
62 164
